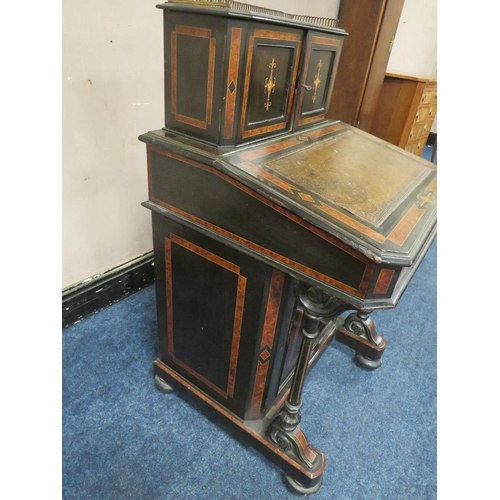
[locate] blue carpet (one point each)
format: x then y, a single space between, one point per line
427 153
123 439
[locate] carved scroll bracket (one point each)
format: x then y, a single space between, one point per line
360 324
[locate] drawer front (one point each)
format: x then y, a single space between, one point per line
420 131
429 96
432 112
271 69
416 131
416 147
426 129
422 114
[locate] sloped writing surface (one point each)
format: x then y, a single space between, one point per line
361 178
372 195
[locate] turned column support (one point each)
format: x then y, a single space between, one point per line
284 430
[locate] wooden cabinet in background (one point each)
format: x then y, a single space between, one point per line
371 25
405 111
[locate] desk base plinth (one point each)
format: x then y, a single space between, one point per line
254 432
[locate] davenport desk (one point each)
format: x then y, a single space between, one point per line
271 221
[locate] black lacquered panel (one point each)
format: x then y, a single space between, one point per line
320 60
210 311
317 80
201 336
269 83
195 191
270 75
191 104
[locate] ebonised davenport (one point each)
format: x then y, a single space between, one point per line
258 251
270 222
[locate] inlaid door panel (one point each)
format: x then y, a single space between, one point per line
270 77
212 304
321 56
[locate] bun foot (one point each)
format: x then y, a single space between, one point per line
162 386
369 364
303 490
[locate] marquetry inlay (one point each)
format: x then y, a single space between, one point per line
315 171
270 85
426 199
326 169
264 354
232 82
317 81
267 341
240 291
383 281
306 197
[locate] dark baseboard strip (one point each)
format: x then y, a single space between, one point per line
94 294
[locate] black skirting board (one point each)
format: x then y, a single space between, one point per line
96 293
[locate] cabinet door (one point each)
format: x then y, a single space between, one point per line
320 62
270 76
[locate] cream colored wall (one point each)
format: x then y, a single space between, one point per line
320 8
112 91
415 46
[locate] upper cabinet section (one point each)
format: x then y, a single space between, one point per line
234 75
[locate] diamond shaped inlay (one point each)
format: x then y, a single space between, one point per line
264 354
306 197
231 87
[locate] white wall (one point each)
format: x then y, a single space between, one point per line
112 91
415 46
320 8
